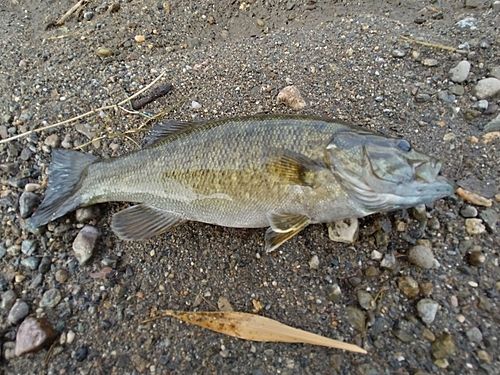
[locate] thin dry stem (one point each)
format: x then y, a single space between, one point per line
427 44
93 111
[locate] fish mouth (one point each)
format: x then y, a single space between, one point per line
430 172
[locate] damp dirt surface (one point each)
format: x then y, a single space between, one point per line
353 61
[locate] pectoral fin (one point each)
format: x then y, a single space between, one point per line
283 227
142 221
293 167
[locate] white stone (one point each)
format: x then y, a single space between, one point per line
487 88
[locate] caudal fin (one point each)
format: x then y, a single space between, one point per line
65 172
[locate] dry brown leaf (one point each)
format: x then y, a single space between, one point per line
257 328
473 198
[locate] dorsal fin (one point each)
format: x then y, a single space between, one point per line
168 128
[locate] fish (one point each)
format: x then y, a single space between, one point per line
282 172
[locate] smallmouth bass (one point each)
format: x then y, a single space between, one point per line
278 171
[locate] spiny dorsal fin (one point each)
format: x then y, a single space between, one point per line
293 167
166 129
142 221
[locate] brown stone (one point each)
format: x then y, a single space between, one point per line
33 334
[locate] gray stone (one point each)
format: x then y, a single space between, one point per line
422 98
421 256
389 261
88 15
469 23
457 90
487 88
493 125
26 154
86 214
44 266
474 335
446 97
495 72
8 299
490 218
18 312
468 211
28 247
365 299
460 72
27 203
31 263
427 310
398 53
481 105
52 140
85 242
3 251
50 298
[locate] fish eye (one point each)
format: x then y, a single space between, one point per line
404 145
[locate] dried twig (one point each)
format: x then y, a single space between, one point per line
68 14
85 114
427 44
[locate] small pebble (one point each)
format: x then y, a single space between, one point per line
31 187
333 293
493 125
419 213
409 286
18 312
430 62
62 276
427 310
365 300
481 105
469 23
474 335
52 140
28 247
314 262
50 298
389 262
459 73
88 16
376 255
477 258
421 256
474 198
490 218
356 318
426 288
474 226
27 203
104 52
487 88
31 263
86 214
398 53
345 231
70 337
33 334
8 300
85 242
468 211
291 97
444 346
140 38
195 105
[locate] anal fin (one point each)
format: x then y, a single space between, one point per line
283 227
142 221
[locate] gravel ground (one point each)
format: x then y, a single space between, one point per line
350 63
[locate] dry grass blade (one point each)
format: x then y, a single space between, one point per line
432 45
257 328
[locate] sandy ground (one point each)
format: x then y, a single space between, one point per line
232 58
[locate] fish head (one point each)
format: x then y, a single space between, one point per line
383 174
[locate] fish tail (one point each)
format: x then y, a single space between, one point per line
65 173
